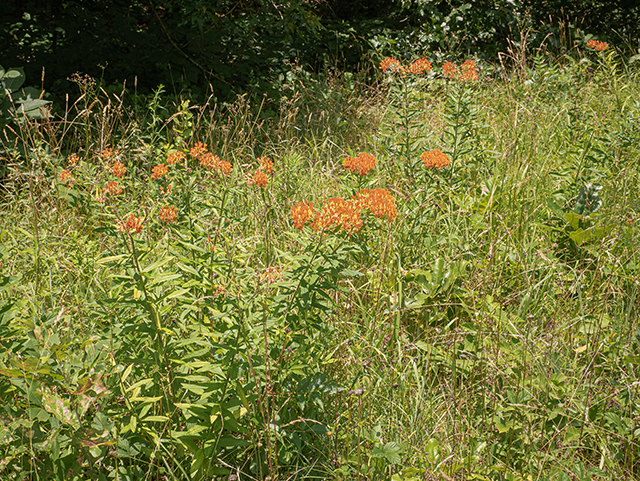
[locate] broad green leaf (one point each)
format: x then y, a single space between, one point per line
555 208
197 462
13 79
433 451
571 434
573 219
588 200
60 408
390 451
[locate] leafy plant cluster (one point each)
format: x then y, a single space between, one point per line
163 314
228 48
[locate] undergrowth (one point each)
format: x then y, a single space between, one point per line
433 279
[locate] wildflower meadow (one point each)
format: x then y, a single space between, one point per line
434 275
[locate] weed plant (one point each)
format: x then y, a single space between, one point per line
434 280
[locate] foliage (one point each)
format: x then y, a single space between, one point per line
352 313
228 48
28 100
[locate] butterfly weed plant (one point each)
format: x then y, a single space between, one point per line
199 292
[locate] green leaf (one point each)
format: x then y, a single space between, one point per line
60 408
573 220
571 434
581 236
13 79
432 450
390 451
555 208
197 462
632 360
155 419
588 199
126 373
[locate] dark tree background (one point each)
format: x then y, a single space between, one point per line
246 45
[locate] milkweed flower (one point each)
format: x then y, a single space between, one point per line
198 149
466 72
73 160
159 171
266 164
65 176
450 70
379 202
435 159
208 160
469 72
259 178
118 169
109 153
214 162
420 66
597 45
175 157
390 64
362 164
338 213
301 213
168 214
272 274
113 187
224 167
133 224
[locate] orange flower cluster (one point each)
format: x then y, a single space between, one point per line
168 214
175 157
198 149
435 159
379 202
109 153
224 167
345 214
338 213
391 64
301 213
65 176
209 160
362 164
417 67
73 160
266 164
113 187
450 70
159 171
272 274
597 45
258 178
132 224
467 71
118 169
420 66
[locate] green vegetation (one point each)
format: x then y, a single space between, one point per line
230 47
163 316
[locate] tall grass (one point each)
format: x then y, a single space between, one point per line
490 331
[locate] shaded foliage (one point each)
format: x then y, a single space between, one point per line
239 46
